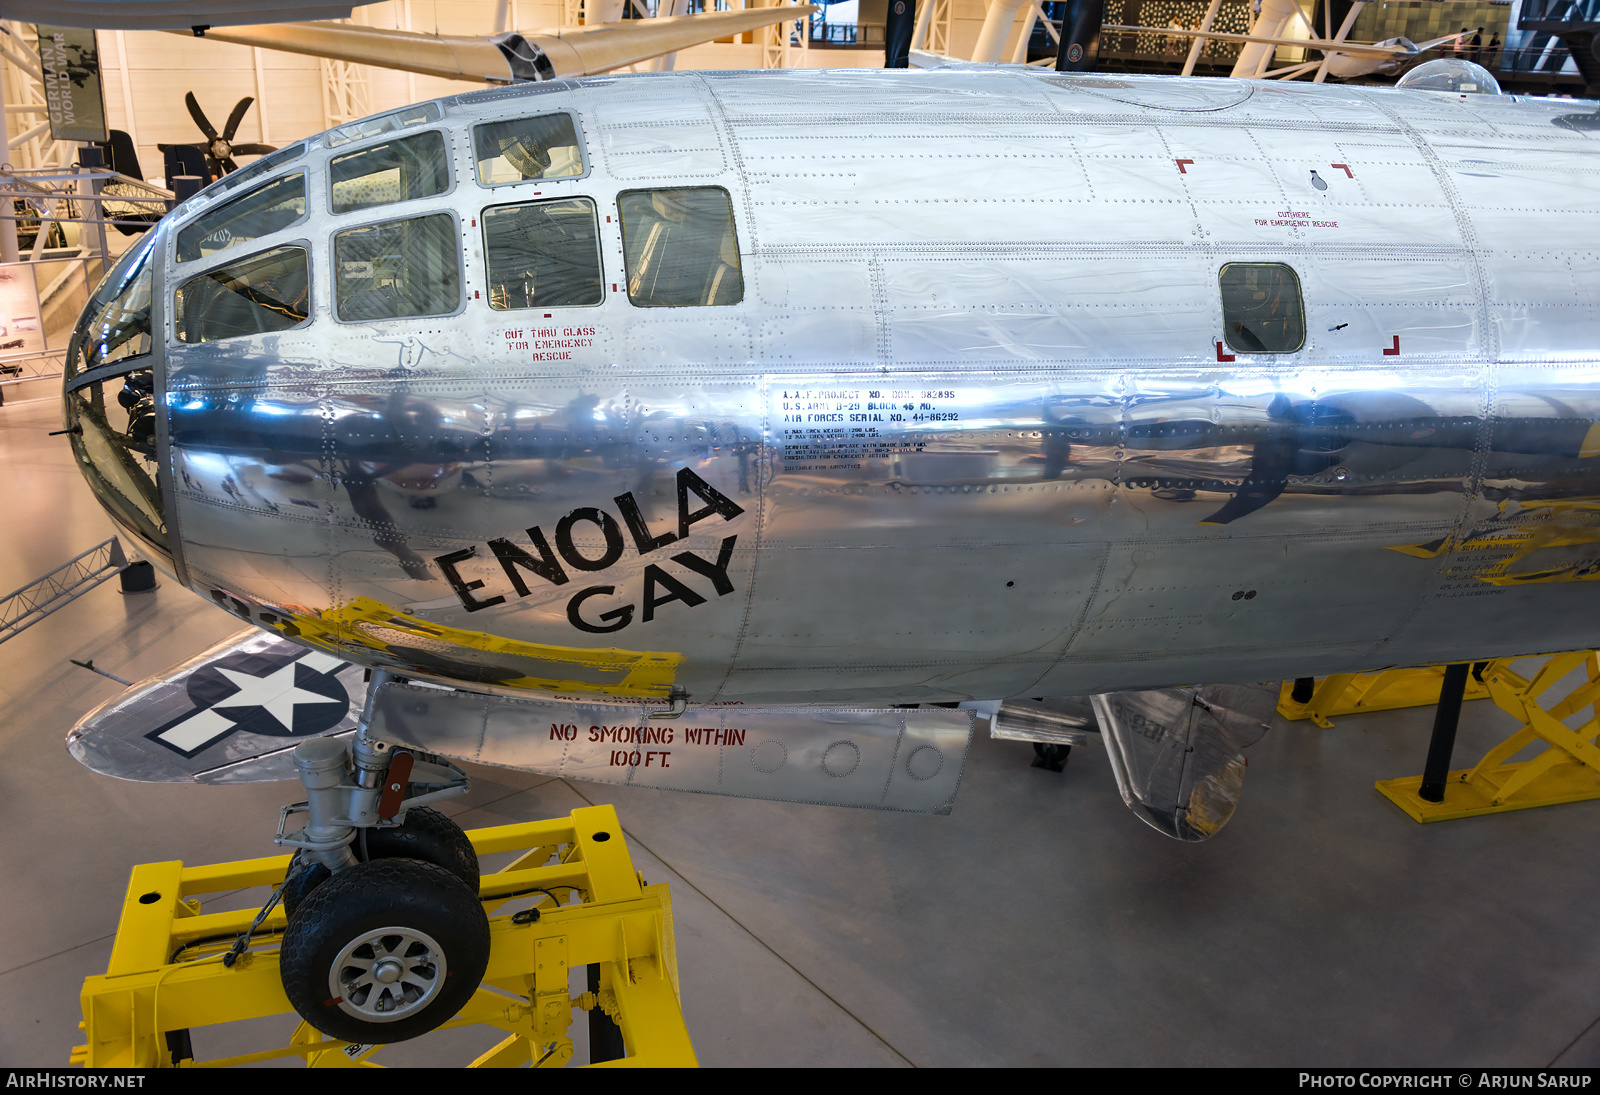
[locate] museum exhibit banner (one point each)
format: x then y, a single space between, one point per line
70 59
21 326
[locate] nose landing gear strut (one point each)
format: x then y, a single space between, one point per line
386 937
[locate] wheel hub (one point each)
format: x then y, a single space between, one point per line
387 974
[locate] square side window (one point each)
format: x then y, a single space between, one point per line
545 147
263 211
543 254
395 171
257 295
680 247
1262 312
396 269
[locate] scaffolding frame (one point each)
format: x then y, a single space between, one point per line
22 608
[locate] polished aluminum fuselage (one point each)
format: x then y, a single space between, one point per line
974 425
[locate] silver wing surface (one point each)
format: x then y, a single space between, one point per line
231 714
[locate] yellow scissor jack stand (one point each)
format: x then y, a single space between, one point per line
166 974
1357 693
1567 771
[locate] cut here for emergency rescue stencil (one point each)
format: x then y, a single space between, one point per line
549 343
1294 218
660 586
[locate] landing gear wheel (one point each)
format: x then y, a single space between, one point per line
429 836
1050 755
303 877
384 951
426 835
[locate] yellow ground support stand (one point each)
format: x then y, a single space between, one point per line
619 922
1567 771
1356 693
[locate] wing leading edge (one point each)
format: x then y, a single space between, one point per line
507 58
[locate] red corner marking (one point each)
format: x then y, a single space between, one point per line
1343 167
1181 170
1393 351
1229 357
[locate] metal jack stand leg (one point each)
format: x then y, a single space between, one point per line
1568 770
1357 693
1445 720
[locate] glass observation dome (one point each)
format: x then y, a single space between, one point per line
1451 74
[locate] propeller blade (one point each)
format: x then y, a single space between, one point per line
253 149
236 117
199 115
228 165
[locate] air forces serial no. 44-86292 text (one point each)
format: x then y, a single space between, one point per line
760 419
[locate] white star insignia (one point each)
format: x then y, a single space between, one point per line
277 693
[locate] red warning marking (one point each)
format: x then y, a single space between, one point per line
1181 170
613 287
1343 167
1393 351
1229 357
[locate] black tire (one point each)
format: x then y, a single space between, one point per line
417 918
429 836
426 835
1050 755
302 878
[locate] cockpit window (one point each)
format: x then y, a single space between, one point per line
113 423
256 295
111 408
395 171
404 118
1262 312
545 147
399 268
251 172
116 324
267 209
680 247
543 254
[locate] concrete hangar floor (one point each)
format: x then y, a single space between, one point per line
1040 924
